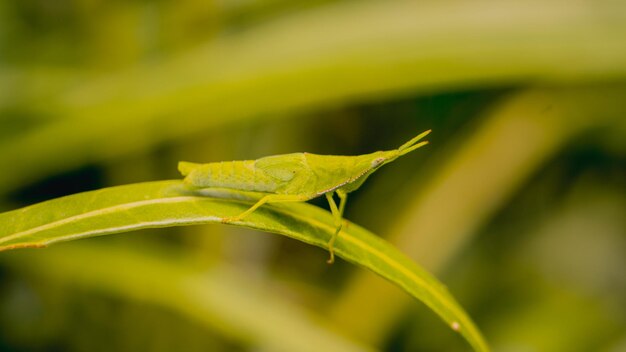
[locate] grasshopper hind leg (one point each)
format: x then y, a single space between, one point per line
249 211
270 198
338 215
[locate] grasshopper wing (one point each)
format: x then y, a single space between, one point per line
281 167
291 171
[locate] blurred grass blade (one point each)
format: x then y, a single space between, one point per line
337 53
170 203
219 297
525 131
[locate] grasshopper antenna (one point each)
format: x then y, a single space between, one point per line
411 145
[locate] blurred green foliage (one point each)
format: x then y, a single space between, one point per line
517 204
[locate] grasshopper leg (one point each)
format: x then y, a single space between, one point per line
270 198
338 215
262 201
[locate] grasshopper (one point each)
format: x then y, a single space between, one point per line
295 177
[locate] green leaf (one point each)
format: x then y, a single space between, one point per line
171 203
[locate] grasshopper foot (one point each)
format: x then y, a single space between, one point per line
331 245
332 256
230 219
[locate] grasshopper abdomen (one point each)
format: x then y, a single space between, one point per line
240 175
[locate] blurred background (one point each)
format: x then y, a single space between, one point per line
517 204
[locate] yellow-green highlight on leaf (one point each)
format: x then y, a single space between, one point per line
545 133
352 51
171 203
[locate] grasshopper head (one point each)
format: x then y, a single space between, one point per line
382 158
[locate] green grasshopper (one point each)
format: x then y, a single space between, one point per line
295 177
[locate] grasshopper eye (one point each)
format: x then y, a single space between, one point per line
377 162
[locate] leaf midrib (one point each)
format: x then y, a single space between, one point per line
120 207
396 265
93 213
